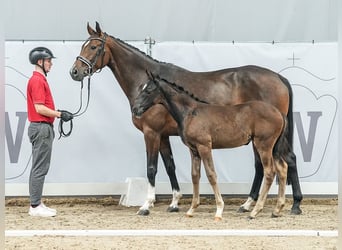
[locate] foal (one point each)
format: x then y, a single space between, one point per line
204 127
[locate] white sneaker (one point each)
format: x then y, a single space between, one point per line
41 211
51 209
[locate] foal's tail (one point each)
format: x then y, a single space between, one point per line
282 147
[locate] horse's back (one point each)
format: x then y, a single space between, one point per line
254 83
235 85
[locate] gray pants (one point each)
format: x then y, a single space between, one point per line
41 136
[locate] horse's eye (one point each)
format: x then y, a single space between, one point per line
93 47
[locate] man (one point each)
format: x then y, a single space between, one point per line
41 114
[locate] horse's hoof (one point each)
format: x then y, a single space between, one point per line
242 210
173 209
143 212
296 211
189 215
250 218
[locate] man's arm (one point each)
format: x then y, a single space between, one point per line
43 110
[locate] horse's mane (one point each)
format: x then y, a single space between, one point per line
138 50
181 89
174 85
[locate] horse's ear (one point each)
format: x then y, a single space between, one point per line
91 31
98 29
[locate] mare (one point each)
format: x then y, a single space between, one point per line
204 127
223 87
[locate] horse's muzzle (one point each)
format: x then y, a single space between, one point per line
76 74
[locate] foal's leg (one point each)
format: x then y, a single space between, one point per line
254 193
166 154
195 175
207 159
281 169
269 173
152 141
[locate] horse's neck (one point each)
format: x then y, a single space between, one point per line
129 67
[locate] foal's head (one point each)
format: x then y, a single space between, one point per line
158 90
148 96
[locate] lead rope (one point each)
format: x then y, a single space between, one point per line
61 129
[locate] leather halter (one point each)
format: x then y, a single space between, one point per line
100 52
90 71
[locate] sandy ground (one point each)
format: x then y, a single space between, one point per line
105 213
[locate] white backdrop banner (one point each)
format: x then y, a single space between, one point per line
105 147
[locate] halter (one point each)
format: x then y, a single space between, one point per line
90 71
90 64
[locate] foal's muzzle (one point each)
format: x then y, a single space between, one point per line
137 112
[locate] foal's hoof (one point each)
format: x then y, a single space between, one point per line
143 212
273 215
242 210
250 218
218 219
173 209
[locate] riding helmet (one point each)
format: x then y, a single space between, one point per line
40 53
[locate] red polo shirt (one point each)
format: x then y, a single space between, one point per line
38 92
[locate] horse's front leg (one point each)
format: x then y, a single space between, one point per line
166 154
195 175
152 141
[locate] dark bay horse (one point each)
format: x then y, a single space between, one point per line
226 86
204 127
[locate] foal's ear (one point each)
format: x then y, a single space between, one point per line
150 75
91 31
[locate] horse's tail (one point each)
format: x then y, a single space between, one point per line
290 128
290 111
282 147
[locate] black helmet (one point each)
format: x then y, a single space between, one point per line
40 53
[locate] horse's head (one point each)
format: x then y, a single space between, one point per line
147 97
93 54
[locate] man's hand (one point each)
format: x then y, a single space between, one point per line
66 115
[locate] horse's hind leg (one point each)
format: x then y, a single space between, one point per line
195 175
294 181
281 168
166 154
